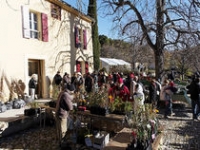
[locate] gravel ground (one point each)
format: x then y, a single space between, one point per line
181 131
37 138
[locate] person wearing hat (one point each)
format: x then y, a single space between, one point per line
63 107
121 90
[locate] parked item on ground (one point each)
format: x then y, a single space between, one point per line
18 103
3 107
9 105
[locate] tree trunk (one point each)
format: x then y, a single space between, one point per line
159 57
159 63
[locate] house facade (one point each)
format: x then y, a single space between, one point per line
41 37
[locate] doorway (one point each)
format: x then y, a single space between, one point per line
36 66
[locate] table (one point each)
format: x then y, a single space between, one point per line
110 122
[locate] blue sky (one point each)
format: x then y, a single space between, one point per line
105 24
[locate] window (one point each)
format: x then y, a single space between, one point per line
34 24
80 38
33 19
55 11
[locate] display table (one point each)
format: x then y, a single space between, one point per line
110 122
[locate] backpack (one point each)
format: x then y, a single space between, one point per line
18 103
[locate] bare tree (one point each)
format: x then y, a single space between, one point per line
160 23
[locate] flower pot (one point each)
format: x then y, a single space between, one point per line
32 111
97 110
140 145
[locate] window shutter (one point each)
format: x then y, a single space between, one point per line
44 27
84 39
86 67
25 22
76 37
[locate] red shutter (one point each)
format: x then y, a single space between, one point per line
78 66
25 22
86 67
84 39
76 37
44 27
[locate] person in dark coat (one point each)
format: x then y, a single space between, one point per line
66 79
32 86
63 107
88 82
57 79
57 86
194 90
153 88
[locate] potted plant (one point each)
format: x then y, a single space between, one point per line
118 106
144 126
98 102
34 109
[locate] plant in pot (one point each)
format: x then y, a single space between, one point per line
144 126
33 110
120 107
98 102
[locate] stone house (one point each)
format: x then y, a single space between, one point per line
41 37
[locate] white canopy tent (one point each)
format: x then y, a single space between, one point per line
110 62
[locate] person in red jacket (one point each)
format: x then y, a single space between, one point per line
122 90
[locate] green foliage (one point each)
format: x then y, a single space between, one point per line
34 105
103 40
145 122
119 105
99 98
92 12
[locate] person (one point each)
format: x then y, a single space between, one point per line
32 86
73 78
57 79
88 82
63 107
158 84
78 82
138 99
95 78
194 90
153 88
121 90
102 79
166 94
132 87
66 79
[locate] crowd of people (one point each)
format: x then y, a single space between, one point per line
135 88
129 87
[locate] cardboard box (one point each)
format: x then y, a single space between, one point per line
101 141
